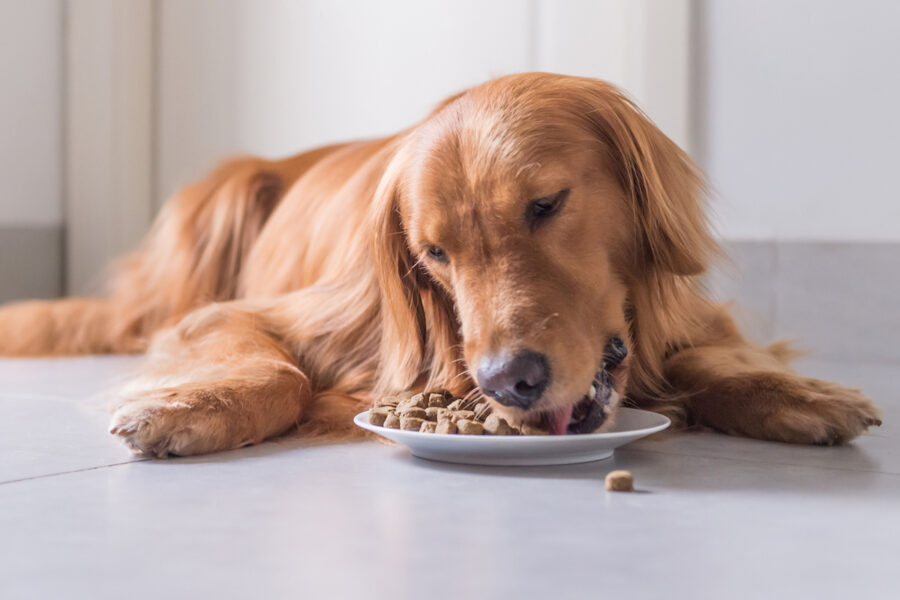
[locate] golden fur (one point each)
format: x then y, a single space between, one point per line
290 293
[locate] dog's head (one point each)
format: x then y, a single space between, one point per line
512 226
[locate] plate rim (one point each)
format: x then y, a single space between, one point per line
361 420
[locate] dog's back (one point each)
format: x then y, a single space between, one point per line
194 254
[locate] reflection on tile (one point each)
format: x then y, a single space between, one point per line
42 436
869 452
53 416
876 451
367 520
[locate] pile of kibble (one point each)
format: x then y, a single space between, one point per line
440 412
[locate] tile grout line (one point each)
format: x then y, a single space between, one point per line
45 475
760 462
638 450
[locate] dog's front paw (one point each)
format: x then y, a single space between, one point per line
181 422
824 413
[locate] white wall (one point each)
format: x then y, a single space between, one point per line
802 131
109 102
641 45
274 76
31 112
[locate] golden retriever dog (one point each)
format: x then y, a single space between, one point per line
536 239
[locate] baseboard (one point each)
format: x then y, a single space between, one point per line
838 300
30 262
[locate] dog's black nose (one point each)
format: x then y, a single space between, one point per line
514 381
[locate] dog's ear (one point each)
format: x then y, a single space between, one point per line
419 330
663 184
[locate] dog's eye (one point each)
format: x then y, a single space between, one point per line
437 254
541 208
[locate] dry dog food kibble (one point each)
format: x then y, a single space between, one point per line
470 404
482 411
411 423
437 411
413 411
434 413
437 401
619 481
495 425
418 400
529 429
378 415
446 426
470 427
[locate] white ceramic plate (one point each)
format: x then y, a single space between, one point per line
521 450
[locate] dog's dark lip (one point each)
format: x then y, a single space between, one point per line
584 416
592 410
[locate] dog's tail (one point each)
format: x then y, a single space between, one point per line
192 256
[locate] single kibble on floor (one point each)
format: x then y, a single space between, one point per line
495 425
469 427
619 481
411 423
428 427
436 401
378 415
412 411
454 405
392 421
445 426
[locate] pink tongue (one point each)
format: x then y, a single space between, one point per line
558 420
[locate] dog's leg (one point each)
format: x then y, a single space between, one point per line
742 389
62 327
216 381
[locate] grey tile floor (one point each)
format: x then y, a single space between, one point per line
716 517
